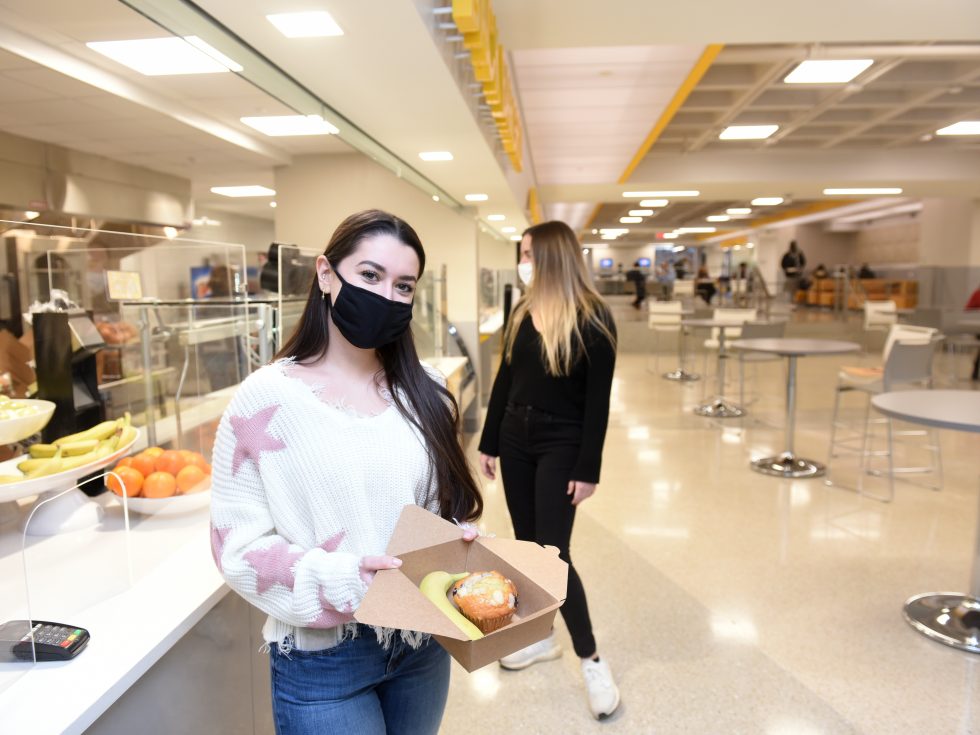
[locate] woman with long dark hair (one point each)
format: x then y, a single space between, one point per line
314 460
547 420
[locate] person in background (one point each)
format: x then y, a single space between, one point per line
639 279
793 263
821 271
665 277
704 285
680 268
546 421
314 460
971 305
865 271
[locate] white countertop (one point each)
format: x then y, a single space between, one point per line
80 578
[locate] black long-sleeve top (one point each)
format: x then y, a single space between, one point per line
583 395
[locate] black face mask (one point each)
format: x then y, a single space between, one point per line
366 319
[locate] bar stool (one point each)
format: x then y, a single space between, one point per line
909 364
756 330
663 317
734 316
879 316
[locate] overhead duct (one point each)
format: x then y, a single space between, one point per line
44 177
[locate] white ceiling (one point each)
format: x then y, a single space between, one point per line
587 109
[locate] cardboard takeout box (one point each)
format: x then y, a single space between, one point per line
427 543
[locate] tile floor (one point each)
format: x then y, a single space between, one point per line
732 602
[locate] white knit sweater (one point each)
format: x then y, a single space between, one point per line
301 490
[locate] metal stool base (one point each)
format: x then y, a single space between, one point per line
719 408
682 375
946 617
789 465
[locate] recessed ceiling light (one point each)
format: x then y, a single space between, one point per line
273 205
283 125
827 71
436 156
747 132
654 203
750 244
613 230
170 232
671 235
643 194
718 218
311 24
31 215
685 230
608 237
767 201
630 220
863 190
739 210
476 197
640 212
435 197
155 57
243 191
964 127
496 217
508 229
678 249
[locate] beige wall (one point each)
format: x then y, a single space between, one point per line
887 244
316 193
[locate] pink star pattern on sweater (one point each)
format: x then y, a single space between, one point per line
252 437
332 543
330 617
218 537
272 565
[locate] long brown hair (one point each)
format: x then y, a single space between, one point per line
562 298
419 399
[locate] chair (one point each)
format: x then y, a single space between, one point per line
757 330
683 290
662 317
908 365
879 316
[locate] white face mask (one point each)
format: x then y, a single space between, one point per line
525 272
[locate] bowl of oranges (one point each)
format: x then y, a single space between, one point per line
160 481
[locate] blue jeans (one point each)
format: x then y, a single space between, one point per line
359 688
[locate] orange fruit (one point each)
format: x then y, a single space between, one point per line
159 485
197 459
132 481
125 462
191 479
170 461
143 463
153 451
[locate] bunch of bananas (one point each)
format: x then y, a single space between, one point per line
76 450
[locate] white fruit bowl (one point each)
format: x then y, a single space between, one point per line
20 427
172 506
58 481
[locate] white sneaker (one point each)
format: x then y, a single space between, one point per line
602 690
544 650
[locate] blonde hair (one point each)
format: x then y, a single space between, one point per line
561 297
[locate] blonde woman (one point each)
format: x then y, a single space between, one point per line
547 421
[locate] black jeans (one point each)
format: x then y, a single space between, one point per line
538 452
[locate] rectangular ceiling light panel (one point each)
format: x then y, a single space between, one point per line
827 71
156 57
964 127
767 201
243 191
656 203
881 190
747 132
644 194
286 125
312 24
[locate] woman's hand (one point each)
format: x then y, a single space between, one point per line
371 564
580 490
488 466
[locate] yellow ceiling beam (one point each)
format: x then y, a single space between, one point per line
694 76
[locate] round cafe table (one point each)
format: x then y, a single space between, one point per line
787 464
948 617
718 407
